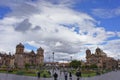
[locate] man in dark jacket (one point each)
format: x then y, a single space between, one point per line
78 74
38 74
55 76
66 75
70 76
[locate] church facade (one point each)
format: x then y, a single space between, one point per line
100 59
21 58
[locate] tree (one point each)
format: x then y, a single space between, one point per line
93 66
27 66
75 64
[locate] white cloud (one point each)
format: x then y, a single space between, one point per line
45 28
112 48
118 33
107 13
111 34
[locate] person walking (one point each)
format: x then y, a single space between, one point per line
55 76
70 76
60 72
38 75
66 75
78 74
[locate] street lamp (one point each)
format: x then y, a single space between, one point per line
63 65
71 61
71 58
53 56
53 61
49 59
49 63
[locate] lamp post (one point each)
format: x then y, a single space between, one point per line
71 61
49 59
53 57
63 65
49 62
71 58
53 61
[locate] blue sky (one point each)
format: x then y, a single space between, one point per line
67 27
88 6
3 11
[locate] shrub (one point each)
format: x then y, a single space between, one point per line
20 73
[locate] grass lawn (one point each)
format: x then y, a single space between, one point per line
43 73
88 74
3 71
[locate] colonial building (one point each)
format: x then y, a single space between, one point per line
6 60
21 58
100 59
118 63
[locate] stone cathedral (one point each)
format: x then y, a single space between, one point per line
101 59
21 58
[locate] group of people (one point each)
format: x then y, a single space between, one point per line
66 75
78 75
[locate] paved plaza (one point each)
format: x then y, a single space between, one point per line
114 75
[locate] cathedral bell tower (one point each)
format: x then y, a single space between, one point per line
40 51
19 58
20 48
98 51
88 53
40 56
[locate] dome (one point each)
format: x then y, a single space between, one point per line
98 49
88 51
40 49
20 45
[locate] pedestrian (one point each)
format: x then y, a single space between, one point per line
38 75
70 76
60 72
66 75
55 76
78 74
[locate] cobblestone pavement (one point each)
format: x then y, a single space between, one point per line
115 75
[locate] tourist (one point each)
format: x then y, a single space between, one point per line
38 74
55 76
70 76
78 74
66 75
